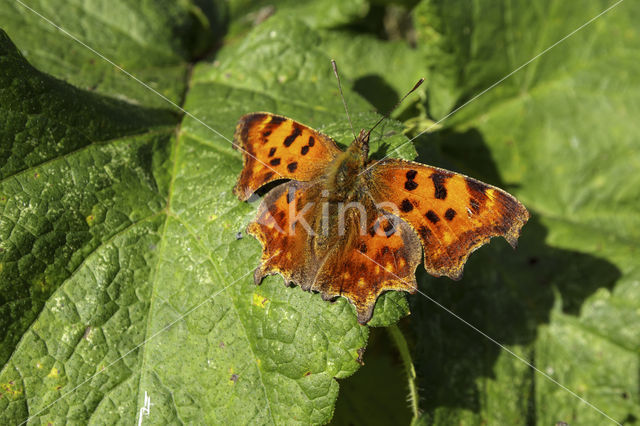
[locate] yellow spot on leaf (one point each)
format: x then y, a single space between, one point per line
10 388
53 373
259 300
90 220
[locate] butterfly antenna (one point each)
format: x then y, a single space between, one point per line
335 71
397 105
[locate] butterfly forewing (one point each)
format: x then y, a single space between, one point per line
275 147
452 213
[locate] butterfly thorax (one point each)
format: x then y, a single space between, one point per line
343 199
343 174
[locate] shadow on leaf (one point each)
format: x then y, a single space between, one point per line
377 91
507 294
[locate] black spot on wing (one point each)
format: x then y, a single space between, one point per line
450 214
312 141
304 150
277 120
362 248
292 166
294 134
275 161
432 216
410 185
406 206
438 183
272 151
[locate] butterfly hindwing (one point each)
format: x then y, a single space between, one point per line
281 227
275 147
368 262
452 214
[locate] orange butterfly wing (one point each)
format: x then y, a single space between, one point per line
358 265
453 214
275 147
278 227
362 266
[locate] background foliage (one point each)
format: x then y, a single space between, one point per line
117 217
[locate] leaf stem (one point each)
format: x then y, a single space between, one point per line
405 354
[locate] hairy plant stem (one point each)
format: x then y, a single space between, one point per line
403 348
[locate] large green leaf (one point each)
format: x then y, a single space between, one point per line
153 40
560 134
122 274
117 217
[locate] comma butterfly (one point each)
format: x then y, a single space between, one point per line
347 225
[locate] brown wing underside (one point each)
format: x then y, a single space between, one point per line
452 213
275 147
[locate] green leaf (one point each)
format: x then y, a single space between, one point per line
120 269
382 83
558 134
152 40
120 264
245 14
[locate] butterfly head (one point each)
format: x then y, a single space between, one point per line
360 145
